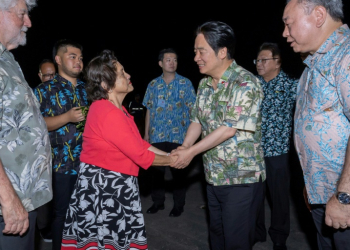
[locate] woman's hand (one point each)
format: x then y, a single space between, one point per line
184 157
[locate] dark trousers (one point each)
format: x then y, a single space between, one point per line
233 211
44 218
24 242
158 183
329 238
277 186
63 186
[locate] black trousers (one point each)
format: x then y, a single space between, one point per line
63 187
158 183
233 210
25 242
44 218
277 187
329 238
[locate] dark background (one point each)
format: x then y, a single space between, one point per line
136 32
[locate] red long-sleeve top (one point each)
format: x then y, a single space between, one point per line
112 141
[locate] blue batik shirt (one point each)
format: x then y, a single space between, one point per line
169 106
57 96
322 115
277 113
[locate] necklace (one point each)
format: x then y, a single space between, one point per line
118 107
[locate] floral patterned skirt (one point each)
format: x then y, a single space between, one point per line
104 212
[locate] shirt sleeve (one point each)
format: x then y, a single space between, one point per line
243 109
342 81
146 98
190 95
117 130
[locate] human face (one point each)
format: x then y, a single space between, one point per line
47 71
15 22
268 69
205 57
69 61
300 28
122 83
169 63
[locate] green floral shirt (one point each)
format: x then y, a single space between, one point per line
25 149
235 103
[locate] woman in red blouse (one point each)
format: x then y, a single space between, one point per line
105 208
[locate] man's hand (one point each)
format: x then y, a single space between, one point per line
184 157
337 215
15 217
75 115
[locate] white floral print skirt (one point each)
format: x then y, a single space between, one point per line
104 212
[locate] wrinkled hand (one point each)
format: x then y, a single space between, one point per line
75 115
15 217
184 157
337 215
173 159
306 199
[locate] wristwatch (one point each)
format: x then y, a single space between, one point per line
343 198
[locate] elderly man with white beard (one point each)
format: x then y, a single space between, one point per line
25 164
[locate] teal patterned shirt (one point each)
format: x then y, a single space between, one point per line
322 116
235 103
169 106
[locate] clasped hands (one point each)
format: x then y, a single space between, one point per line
184 157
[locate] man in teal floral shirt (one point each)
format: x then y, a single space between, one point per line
168 99
61 99
25 165
227 114
322 114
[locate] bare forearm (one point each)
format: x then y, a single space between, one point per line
157 151
192 134
7 192
216 137
344 182
55 122
161 160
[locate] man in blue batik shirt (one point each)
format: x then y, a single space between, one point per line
168 99
60 101
277 115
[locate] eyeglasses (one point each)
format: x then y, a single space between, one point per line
47 76
263 61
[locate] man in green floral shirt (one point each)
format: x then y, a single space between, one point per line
227 114
25 165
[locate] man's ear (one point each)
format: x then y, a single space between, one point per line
39 74
320 13
160 63
58 60
222 53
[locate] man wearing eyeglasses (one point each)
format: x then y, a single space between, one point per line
277 113
47 70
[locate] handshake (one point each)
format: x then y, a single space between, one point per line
181 157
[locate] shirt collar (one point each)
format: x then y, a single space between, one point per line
335 39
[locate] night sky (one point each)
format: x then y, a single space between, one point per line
137 32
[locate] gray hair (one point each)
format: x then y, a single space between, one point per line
333 7
8 4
